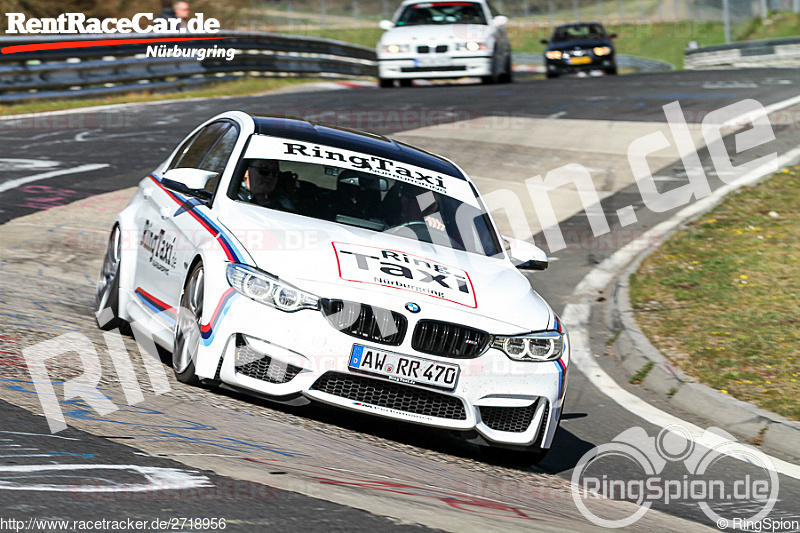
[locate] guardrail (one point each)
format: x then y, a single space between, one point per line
748 54
122 68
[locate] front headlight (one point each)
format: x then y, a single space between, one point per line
471 46
269 290
542 346
601 50
553 54
394 48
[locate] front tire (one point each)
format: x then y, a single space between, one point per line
385 83
406 83
492 78
107 289
186 342
508 74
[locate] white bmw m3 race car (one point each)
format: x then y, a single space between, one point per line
444 39
300 261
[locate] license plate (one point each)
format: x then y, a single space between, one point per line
579 60
433 62
404 368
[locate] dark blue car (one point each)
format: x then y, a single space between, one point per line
581 46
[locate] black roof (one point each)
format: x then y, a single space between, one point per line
347 139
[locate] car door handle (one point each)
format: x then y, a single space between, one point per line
147 192
166 212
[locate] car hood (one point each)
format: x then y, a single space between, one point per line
343 262
436 33
571 45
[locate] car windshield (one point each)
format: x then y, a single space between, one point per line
581 32
366 200
441 13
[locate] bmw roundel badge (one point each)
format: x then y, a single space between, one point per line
411 306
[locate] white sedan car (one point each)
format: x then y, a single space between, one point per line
444 39
305 262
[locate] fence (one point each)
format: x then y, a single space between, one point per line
122 68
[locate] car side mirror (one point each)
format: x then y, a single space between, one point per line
191 181
526 256
386 25
544 41
500 20
612 36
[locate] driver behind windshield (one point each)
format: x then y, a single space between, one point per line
441 13
262 185
414 204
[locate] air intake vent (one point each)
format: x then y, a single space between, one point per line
263 367
511 419
449 340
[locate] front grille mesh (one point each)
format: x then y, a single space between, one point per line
449 340
511 419
263 367
391 395
366 321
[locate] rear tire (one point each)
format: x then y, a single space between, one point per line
186 341
551 75
385 83
612 71
406 83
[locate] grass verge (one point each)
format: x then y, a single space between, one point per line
777 26
721 299
244 87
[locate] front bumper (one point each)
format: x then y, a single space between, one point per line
301 355
434 68
561 66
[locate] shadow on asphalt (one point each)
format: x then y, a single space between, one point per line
566 451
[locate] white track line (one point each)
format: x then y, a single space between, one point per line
576 315
13 184
768 110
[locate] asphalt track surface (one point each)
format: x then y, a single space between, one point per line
130 141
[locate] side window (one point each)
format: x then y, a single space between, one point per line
194 151
182 150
